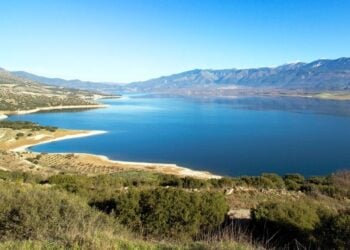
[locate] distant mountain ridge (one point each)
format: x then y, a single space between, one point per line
77 84
321 75
18 94
317 76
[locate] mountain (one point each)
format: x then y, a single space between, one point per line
77 84
17 93
315 77
320 75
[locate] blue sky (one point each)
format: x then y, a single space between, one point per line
129 40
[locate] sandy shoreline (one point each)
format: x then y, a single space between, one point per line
23 112
182 171
166 168
24 148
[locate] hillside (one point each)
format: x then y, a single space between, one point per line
328 79
78 84
317 76
22 94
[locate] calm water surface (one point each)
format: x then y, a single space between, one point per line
238 136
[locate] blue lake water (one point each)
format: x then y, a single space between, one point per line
238 136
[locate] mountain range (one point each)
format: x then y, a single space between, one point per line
317 76
78 84
320 75
17 93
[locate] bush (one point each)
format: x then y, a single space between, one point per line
189 182
20 177
341 181
333 231
185 182
168 212
288 220
171 181
224 182
16 125
33 213
102 186
266 180
293 181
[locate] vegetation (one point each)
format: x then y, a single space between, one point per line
334 230
171 213
17 125
122 210
22 94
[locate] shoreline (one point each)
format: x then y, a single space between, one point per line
183 171
146 166
5 113
26 147
164 168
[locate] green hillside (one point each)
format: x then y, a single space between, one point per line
22 94
140 210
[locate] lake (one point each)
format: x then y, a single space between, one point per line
237 136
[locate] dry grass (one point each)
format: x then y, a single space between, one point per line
9 139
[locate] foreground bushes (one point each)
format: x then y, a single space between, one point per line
168 212
33 213
36 217
304 222
158 207
333 231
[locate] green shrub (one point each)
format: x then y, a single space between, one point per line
287 221
16 125
20 177
333 231
276 180
189 182
293 181
341 181
171 181
167 212
266 180
35 213
102 186
224 182
185 182
301 215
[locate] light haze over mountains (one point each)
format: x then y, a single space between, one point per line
319 75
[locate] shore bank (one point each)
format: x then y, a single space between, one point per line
101 160
165 168
81 134
23 112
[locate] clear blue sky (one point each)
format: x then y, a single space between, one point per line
130 40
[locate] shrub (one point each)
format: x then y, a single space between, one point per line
168 212
341 181
35 213
189 182
293 181
170 180
16 125
288 220
266 180
276 180
333 231
20 177
224 182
